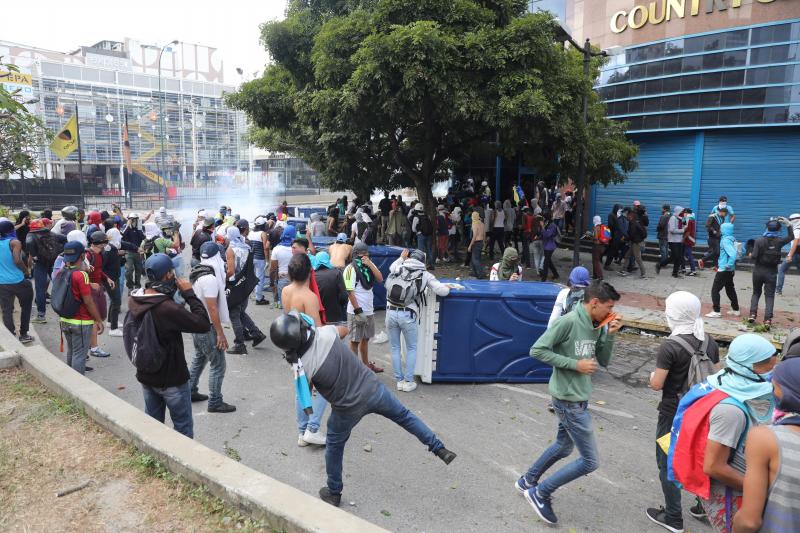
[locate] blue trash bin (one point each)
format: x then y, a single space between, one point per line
298 223
485 331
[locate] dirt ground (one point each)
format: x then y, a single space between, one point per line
48 445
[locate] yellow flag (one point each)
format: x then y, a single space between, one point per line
67 139
664 442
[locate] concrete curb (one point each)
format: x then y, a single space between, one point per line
283 507
9 360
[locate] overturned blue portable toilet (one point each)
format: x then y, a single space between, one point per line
383 257
323 241
484 332
306 211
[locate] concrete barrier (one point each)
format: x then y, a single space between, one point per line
283 507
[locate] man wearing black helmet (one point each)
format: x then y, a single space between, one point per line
203 234
767 256
68 214
351 388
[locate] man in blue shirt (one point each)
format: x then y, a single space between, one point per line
730 215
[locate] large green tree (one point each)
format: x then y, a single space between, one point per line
21 132
371 92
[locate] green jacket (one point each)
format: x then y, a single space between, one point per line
572 337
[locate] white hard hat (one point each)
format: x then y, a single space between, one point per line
794 216
484 184
133 215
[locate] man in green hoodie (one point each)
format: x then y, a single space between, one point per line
573 346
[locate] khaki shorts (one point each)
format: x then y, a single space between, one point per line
363 331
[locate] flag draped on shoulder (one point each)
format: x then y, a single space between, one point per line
688 439
66 140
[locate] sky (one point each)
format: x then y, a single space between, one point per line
229 25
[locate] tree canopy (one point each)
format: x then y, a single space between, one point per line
375 92
21 132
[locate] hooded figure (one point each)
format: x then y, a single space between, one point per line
241 250
114 238
683 315
739 379
151 231
507 267
727 248
289 235
217 265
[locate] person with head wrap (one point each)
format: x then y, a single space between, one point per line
258 239
279 263
151 233
163 218
675 241
508 269
359 278
243 326
601 236
671 375
475 247
112 266
332 291
707 446
14 283
402 317
792 258
726 268
772 479
134 263
767 256
572 295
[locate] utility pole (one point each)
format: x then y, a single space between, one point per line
161 123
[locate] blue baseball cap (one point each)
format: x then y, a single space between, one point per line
209 249
73 251
157 266
341 237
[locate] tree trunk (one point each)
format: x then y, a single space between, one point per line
425 195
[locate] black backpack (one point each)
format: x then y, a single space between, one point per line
47 248
62 299
424 225
141 342
771 254
238 290
369 235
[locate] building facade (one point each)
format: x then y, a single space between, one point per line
710 90
117 83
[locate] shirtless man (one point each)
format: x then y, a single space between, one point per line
340 251
297 296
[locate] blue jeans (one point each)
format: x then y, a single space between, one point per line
206 351
574 429
688 255
41 280
179 402
260 265
312 423
404 322
663 249
341 423
783 269
78 338
280 284
425 244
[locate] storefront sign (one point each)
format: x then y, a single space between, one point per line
659 11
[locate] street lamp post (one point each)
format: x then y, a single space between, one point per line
162 167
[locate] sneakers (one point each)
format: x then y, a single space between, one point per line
301 441
698 511
714 314
409 386
98 352
542 506
238 349
659 516
692 273
523 486
26 339
445 455
258 339
751 319
222 408
735 312
197 397
115 332
622 273
40 319
328 497
372 366
400 385
262 301
778 293
768 324
316 438
658 268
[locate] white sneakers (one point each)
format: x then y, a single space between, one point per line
734 313
115 332
716 314
301 442
406 386
317 438
400 385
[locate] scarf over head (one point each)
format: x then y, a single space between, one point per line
597 220
151 231
683 315
114 238
322 259
787 377
289 234
738 379
476 217
509 264
218 265
236 240
77 235
579 277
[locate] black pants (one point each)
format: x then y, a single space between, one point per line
526 250
115 296
612 251
241 321
496 236
712 255
724 279
597 265
548 265
764 278
23 292
676 256
672 494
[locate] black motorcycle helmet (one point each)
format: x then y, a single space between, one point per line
98 237
69 212
290 333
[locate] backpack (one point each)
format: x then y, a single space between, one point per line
404 288
239 288
700 366
771 254
369 235
148 246
740 250
62 298
48 248
424 225
141 342
573 299
604 234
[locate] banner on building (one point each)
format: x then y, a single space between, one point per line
66 141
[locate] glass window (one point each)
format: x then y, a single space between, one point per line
72 72
90 74
707 118
752 116
687 120
781 33
735 39
673 48
51 69
729 117
693 45
690 83
711 99
689 101
668 103
651 122
712 61
636 72
761 35
776 115
731 98
733 78
777 95
107 76
635 106
672 66
712 80
655 69
637 89
737 58
672 85
622 91
653 87
669 121
778 74
692 64
634 123
714 42
652 105
753 96
757 76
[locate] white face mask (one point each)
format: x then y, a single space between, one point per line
723 205
619 213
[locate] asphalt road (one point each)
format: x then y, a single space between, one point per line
497 430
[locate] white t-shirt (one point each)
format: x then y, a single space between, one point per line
206 287
282 254
363 296
499 219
